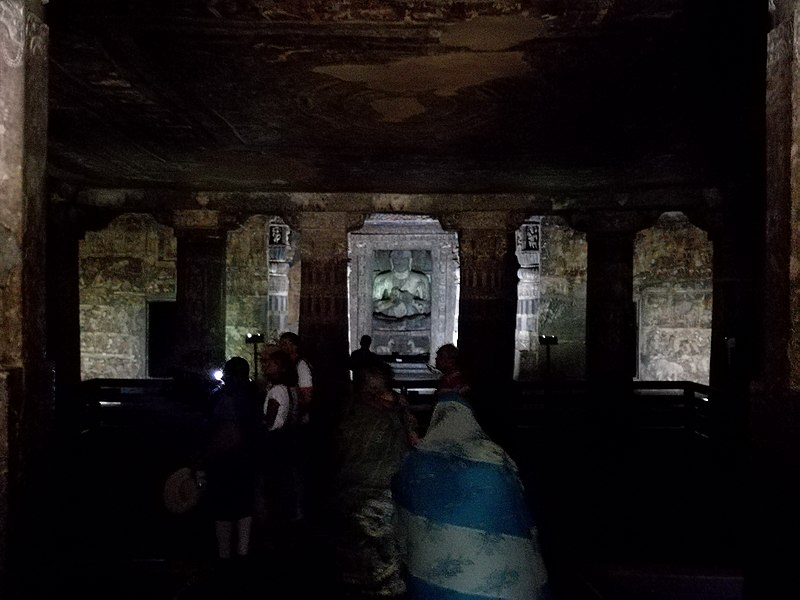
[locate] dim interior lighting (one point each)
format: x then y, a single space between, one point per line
216 374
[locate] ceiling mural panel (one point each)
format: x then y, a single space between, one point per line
387 95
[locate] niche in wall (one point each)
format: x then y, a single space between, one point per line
413 322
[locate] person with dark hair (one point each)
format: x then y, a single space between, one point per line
373 436
280 405
363 354
278 455
230 458
306 432
448 362
289 342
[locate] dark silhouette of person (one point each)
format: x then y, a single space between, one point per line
310 427
279 467
448 361
230 457
290 342
362 355
375 433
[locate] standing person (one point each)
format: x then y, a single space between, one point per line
464 520
231 458
278 455
363 354
306 439
289 342
280 404
373 436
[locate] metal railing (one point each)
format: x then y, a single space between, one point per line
656 405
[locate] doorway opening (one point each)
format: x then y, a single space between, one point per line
161 344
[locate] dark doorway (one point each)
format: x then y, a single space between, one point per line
160 337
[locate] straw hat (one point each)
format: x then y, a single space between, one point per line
181 491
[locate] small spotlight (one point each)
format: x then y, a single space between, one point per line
548 340
254 338
216 374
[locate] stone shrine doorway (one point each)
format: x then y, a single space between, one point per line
403 282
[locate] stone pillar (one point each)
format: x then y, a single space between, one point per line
279 251
775 397
64 232
26 394
724 330
323 327
782 362
67 225
528 251
611 352
201 290
734 330
486 327
732 318
610 315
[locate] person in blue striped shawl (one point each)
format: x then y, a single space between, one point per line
464 524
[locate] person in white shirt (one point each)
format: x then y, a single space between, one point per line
307 434
279 418
290 343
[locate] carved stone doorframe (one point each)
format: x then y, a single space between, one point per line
419 234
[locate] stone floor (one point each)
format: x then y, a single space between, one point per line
650 517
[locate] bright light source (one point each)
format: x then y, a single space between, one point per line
217 374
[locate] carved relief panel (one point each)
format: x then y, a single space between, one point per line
403 285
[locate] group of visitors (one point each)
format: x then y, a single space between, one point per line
442 515
253 450
412 514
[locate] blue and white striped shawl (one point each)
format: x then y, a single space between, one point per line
464 520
